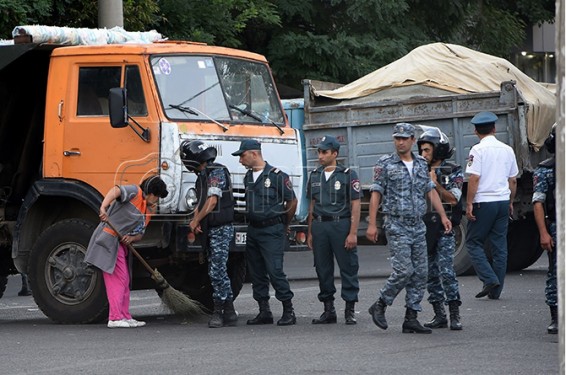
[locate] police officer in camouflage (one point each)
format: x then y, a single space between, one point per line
270 205
402 181
213 219
544 204
448 179
334 215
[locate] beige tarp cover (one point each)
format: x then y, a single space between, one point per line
460 70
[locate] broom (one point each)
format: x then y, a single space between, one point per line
174 300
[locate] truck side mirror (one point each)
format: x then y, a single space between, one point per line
118 107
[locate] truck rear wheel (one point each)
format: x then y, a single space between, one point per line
3 283
64 287
462 262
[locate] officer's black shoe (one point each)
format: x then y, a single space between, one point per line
230 316
553 327
454 309
412 325
486 289
328 316
288 317
216 320
264 317
349 313
439 320
377 312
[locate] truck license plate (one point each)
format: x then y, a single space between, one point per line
240 238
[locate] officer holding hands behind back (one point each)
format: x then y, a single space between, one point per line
334 215
270 205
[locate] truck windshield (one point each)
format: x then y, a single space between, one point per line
224 89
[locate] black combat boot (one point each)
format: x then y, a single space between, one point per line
412 325
265 316
439 320
553 327
329 314
230 315
26 290
216 320
349 312
288 318
454 309
377 312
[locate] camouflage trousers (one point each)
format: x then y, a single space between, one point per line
551 290
219 239
407 245
441 275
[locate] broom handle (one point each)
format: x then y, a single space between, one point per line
131 248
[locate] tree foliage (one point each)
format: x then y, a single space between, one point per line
334 40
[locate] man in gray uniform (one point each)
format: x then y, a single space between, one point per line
334 215
403 181
270 205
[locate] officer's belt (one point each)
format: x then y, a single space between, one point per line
330 218
267 222
409 220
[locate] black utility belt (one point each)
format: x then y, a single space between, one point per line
411 220
330 218
266 223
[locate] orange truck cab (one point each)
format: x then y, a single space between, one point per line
60 154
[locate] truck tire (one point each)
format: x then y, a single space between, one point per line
523 244
197 283
3 283
462 262
64 287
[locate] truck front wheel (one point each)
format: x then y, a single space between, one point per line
64 287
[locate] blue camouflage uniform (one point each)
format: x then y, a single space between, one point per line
544 189
441 246
330 227
217 226
266 238
403 206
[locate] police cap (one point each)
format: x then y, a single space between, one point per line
328 142
484 119
403 130
246 145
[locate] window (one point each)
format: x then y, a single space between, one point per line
134 90
94 84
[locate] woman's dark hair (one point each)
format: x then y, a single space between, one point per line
154 185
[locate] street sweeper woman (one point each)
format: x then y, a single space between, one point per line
128 208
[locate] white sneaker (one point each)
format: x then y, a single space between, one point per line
135 323
118 324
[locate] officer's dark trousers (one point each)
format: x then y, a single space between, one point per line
492 219
264 254
329 238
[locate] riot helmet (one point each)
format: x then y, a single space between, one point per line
550 142
438 140
194 153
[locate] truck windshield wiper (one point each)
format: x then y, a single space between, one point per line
184 109
255 116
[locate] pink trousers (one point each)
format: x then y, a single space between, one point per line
118 288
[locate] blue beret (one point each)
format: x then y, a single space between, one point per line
328 142
484 118
246 145
404 130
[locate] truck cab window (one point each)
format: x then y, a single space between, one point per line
94 84
134 87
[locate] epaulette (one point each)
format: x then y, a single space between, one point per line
275 170
347 170
548 163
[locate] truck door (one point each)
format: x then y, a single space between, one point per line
96 153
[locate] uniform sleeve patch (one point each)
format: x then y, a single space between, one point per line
470 160
356 185
377 170
288 183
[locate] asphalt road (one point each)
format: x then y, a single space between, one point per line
507 336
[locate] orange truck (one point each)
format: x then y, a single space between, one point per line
60 154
